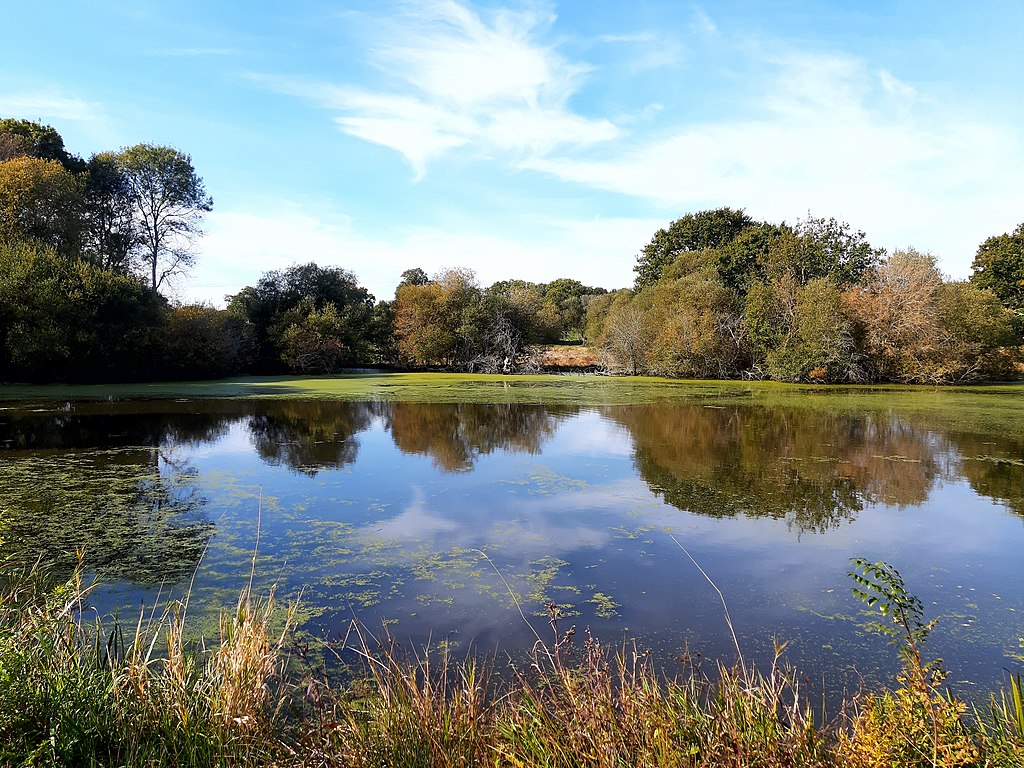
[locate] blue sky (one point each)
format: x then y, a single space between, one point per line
538 140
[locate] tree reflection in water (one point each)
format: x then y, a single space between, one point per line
455 435
115 479
106 481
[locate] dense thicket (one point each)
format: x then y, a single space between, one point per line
720 295
87 245
307 318
450 321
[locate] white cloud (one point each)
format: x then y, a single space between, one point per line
703 23
50 106
240 246
795 131
453 79
830 135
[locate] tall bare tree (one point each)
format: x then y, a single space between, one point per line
168 201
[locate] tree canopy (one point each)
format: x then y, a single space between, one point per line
692 232
999 267
168 201
305 305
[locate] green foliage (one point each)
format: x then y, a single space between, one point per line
827 248
881 587
441 322
525 309
168 200
918 724
627 337
25 137
568 299
692 232
977 334
415 276
324 306
107 216
693 321
313 341
198 341
74 694
999 267
743 261
69 320
803 331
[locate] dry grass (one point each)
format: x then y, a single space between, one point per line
569 356
76 694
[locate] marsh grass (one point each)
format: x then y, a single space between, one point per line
77 692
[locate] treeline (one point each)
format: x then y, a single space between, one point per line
86 245
720 295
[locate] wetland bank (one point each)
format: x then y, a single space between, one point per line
380 495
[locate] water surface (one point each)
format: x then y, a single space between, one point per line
436 517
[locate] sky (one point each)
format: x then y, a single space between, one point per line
538 140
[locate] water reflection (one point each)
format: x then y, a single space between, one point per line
454 436
814 468
309 435
134 514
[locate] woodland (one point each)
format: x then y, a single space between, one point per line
88 248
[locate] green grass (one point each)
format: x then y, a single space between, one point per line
77 693
492 388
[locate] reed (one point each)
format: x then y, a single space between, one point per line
77 692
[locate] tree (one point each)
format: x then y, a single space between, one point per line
620 325
692 232
65 319
168 202
438 323
42 202
283 298
414 276
108 226
896 309
26 138
198 341
999 266
568 299
821 248
975 334
919 329
698 333
12 146
315 341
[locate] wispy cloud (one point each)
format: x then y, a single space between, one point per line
51 106
239 246
827 132
453 78
703 23
788 130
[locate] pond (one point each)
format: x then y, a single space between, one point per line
435 504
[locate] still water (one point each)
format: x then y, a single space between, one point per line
431 516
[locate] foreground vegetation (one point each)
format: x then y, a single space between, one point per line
78 693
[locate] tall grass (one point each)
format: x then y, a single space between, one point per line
76 692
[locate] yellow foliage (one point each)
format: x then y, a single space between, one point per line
915 725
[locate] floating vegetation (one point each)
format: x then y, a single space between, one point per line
604 606
379 492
